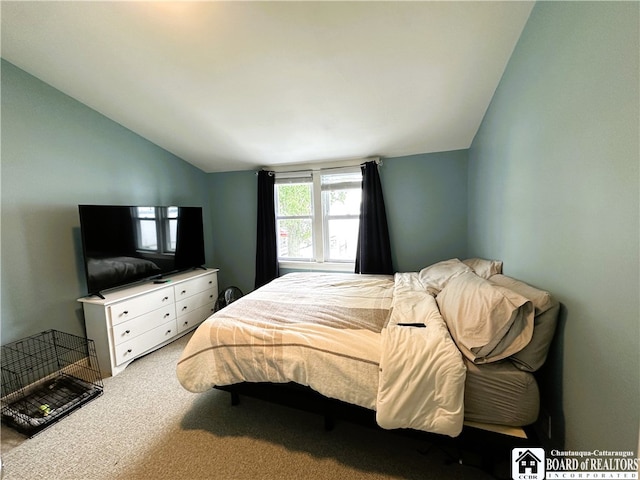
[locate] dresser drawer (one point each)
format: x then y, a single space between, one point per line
194 302
195 317
137 346
128 322
130 329
197 285
128 309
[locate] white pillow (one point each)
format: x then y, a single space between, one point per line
488 322
435 277
484 268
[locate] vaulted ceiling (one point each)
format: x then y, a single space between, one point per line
238 85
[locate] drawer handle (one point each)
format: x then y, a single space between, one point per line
167 315
129 351
184 308
186 323
210 282
211 296
127 332
165 299
183 292
168 331
126 312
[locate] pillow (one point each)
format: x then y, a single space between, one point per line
435 277
533 356
488 322
484 268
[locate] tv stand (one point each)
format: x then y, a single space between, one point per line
129 322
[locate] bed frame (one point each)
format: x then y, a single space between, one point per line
480 445
304 398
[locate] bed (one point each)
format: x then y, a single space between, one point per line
456 343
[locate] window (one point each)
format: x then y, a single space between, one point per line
341 195
157 228
318 215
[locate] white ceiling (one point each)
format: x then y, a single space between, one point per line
237 85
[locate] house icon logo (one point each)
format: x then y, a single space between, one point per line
527 464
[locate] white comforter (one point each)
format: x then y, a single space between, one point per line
422 373
338 334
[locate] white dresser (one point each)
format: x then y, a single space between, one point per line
133 321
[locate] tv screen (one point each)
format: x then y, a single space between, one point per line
126 244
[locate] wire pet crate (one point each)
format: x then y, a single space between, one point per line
45 377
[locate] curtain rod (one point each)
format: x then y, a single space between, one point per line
378 161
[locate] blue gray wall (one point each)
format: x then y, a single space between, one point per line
426 201
233 198
554 193
58 153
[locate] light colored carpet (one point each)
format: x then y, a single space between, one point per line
146 426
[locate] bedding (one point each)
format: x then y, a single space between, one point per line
436 276
500 393
425 350
340 334
421 371
326 336
484 268
488 321
546 309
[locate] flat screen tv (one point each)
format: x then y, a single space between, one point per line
127 244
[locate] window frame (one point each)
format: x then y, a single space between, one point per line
292 179
319 219
161 220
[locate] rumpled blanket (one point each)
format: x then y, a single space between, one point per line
338 334
422 373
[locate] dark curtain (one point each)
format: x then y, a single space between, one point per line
189 238
373 254
266 249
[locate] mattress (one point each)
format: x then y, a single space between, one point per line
500 393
